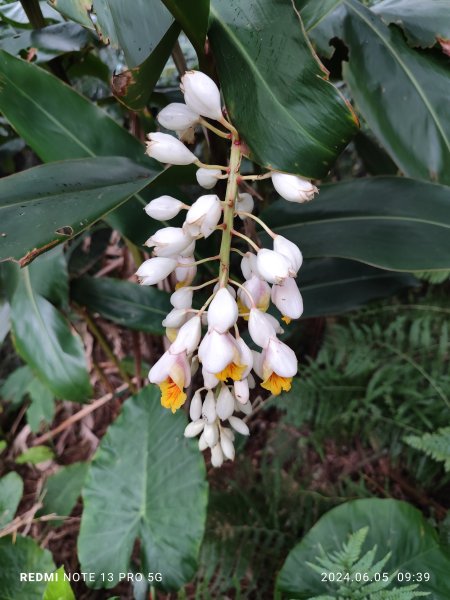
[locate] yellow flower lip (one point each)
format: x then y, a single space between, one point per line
172 396
275 384
232 371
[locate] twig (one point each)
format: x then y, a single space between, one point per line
79 415
178 59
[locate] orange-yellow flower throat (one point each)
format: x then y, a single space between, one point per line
275 384
172 396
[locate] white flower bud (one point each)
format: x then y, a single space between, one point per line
248 266
211 434
227 432
155 270
216 351
239 425
189 250
176 318
167 149
280 359
202 445
287 299
260 328
225 403
241 390
293 188
185 271
169 241
290 251
209 380
245 356
208 178
259 290
216 456
245 203
245 408
232 291
251 379
227 447
177 117
223 311
194 428
163 208
182 298
201 94
209 408
195 409
203 216
188 337
272 267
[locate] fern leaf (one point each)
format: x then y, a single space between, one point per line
436 445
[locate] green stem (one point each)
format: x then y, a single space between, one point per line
33 11
228 212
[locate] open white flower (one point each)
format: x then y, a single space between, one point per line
172 373
163 208
217 351
288 300
203 216
167 149
185 271
258 290
260 327
201 94
293 188
177 117
155 270
188 337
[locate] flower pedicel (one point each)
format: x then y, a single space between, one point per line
225 360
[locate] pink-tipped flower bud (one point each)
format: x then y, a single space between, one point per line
293 188
164 207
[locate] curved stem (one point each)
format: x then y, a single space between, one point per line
202 165
256 177
222 134
199 287
258 220
247 239
199 262
241 287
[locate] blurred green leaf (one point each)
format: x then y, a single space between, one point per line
389 222
146 481
3 445
375 160
313 12
413 543
42 406
129 304
13 13
22 555
59 38
63 489
60 361
35 455
11 490
422 22
49 278
332 286
70 126
5 325
406 104
15 387
62 199
59 588
77 10
289 115
193 18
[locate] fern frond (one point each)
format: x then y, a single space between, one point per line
436 445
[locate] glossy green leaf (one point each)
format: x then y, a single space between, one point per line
15 387
56 39
394 526
70 126
11 490
313 12
62 490
42 406
423 22
60 361
193 18
406 104
375 160
290 116
134 86
138 31
58 588
35 455
129 304
332 286
49 277
22 555
13 12
62 199
77 10
146 481
393 223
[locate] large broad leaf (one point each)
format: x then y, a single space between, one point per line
313 12
11 490
394 526
146 481
42 406
125 303
332 286
62 490
389 222
50 204
425 23
77 10
193 18
290 116
402 93
45 341
23 555
70 126
54 39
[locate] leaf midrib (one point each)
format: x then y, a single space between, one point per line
405 68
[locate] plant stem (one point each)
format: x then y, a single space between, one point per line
33 11
222 134
228 212
247 239
107 350
255 218
199 163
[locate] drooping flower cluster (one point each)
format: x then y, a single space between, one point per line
219 407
